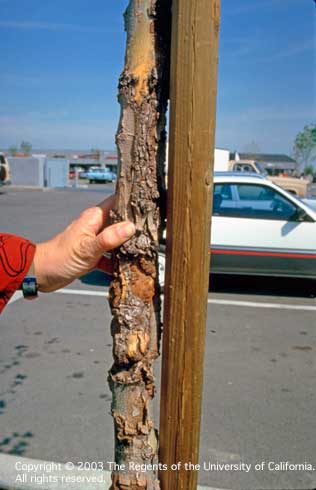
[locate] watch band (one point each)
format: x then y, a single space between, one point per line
29 284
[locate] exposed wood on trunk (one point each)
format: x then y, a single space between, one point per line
135 294
194 51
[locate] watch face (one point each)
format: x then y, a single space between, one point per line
29 288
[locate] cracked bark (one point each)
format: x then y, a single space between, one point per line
134 292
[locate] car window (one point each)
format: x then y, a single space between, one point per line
254 201
224 190
254 192
263 202
242 167
222 199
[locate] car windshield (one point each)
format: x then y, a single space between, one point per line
261 168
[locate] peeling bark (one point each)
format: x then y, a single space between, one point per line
134 292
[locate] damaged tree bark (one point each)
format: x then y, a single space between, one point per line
134 293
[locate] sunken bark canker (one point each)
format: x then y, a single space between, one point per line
135 292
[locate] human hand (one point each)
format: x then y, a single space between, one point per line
79 248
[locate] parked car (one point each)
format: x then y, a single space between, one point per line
298 187
259 228
83 173
99 175
72 171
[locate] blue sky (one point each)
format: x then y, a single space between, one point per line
60 62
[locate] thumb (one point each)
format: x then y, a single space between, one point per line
113 236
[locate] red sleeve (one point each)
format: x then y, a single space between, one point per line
16 256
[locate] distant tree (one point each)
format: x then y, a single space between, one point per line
13 150
309 170
304 149
96 151
251 147
26 147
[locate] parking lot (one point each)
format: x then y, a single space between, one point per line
259 387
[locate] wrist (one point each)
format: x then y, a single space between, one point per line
46 266
40 261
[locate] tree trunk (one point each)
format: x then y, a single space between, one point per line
135 293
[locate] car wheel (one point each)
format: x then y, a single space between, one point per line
91 181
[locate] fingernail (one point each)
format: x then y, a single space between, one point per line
127 229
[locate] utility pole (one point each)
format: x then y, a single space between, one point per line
135 292
194 59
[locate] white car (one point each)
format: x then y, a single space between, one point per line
259 228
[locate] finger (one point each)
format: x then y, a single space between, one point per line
95 218
113 236
105 265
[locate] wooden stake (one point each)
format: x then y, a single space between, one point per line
194 59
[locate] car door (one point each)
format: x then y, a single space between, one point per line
257 230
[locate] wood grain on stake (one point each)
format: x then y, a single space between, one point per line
194 58
134 293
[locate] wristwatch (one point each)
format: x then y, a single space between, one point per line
29 284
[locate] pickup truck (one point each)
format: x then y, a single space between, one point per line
298 187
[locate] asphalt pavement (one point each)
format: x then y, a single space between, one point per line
259 388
